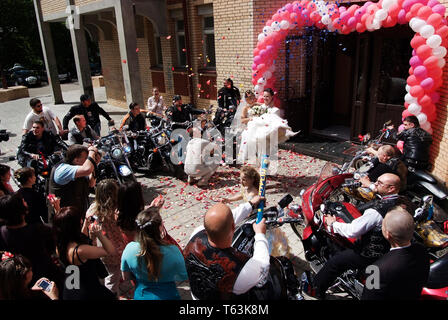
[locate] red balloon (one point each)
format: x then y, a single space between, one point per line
409 16
360 27
425 101
390 22
406 105
442 31
424 12
432 116
311 6
276 17
417 91
424 52
415 8
434 19
394 9
364 18
411 71
435 73
431 62
417 41
315 16
412 81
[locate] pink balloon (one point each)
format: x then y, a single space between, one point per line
440 9
402 17
405 114
351 22
400 145
432 3
415 61
261 66
427 84
434 19
258 59
420 72
288 7
407 4
401 128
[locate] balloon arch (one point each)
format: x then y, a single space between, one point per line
429 43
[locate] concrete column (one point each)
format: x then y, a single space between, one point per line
49 55
127 39
81 56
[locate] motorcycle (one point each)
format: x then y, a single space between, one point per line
4 136
114 162
281 284
320 244
224 117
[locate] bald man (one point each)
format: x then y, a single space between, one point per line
385 161
404 269
370 244
216 270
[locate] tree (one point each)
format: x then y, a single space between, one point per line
19 36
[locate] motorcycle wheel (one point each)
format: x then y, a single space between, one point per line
358 164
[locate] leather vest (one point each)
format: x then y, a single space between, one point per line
373 244
75 193
212 271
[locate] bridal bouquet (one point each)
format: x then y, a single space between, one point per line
258 110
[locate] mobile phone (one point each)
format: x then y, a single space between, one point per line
93 218
45 285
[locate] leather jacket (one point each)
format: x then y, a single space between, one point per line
48 144
416 145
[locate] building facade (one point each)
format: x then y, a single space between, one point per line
328 84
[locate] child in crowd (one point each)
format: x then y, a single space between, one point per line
104 211
250 182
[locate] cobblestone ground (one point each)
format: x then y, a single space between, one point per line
185 205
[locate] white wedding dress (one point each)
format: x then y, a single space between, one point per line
259 136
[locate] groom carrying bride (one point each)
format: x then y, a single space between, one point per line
265 128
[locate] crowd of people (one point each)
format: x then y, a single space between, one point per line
117 247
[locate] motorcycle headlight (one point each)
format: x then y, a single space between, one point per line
127 149
117 153
161 140
124 170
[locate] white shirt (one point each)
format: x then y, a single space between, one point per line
46 116
256 269
157 107
369 220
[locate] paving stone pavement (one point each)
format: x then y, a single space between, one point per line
185 205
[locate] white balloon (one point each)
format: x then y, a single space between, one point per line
422 118
284 24
418 24
439 52
434 41
409 98
412 21
267 30
426 31
381 14
387 4
408 88
326 19
258 88
261 36
414 108
441 63
275 26
261 81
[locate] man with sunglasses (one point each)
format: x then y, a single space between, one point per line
370 244
43 114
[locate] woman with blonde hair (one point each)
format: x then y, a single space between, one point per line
151 261
104 211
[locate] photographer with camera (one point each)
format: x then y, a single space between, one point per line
71 179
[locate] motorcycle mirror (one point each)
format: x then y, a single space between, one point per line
428 199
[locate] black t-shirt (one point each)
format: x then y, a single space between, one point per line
379 169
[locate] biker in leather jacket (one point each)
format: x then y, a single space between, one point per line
38 142
416 143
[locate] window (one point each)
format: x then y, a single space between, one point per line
158 51
180 42
209 42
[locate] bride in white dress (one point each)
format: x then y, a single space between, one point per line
264 123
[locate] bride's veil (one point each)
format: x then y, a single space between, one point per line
236 123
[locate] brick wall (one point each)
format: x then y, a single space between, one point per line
53 6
